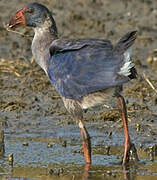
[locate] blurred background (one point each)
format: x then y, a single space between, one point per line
32 112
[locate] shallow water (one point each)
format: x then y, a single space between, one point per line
38 161
44 140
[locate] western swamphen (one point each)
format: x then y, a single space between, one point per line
83 71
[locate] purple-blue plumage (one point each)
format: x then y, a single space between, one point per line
79 67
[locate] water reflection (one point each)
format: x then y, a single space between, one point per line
85 174
133 171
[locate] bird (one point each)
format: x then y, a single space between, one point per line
84 71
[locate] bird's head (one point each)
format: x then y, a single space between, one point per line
33 15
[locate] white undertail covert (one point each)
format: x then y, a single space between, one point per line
125 69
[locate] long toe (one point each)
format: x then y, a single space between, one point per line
133 153
130 155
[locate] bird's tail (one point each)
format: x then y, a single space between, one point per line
126 42
123 47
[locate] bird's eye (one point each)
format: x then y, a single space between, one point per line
29 10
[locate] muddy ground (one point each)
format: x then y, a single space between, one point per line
44 140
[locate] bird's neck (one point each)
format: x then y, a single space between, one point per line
41 42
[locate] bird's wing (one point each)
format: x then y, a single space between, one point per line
63 45
80 67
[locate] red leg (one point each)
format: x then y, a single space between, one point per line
127 144
85 174
76 112
86 142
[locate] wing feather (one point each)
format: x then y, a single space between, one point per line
82 67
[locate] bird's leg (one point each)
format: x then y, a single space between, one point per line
85 174
86 142
127 144
76 112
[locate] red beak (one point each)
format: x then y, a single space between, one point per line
17 20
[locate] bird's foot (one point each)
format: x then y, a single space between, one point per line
130 155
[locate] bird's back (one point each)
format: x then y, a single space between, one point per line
80 67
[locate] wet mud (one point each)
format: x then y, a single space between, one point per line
41 140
